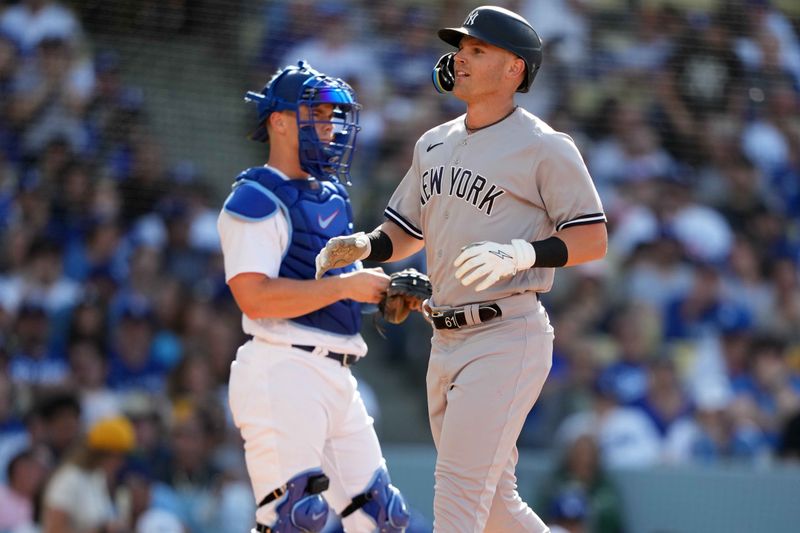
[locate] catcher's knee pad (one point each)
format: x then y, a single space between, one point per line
301 509
383 503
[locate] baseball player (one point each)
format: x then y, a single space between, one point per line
499 199
292 395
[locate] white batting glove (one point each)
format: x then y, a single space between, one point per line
494 261
342 251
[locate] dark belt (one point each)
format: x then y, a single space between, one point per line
456 317
345 359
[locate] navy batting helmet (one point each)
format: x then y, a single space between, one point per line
301 85
504 29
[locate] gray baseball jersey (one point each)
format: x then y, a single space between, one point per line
518 178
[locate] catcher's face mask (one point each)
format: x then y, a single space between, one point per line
330 157
297 87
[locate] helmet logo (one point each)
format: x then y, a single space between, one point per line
471 18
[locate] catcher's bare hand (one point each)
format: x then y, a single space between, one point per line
368 285
342 251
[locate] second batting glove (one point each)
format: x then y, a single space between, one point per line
493 262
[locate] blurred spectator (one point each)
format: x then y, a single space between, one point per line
627 373
55 422
765 36
656 274
630 151
700 81
19 496
168 344
720 355
224 335
767 139
665 401
703 309
650 42
191 379
30 21
704 233
80 496
625 436
407 66
32 360
182 261
51 93
568 390
744 282
715 432
562 21
143 278
89 373
70 207
285 23
12 429
42 283
785 312
147 500
331 50
89 321
579 496
568 512
148 415
132 363
206 501
8 67
770 387
97 249
159 521
144 183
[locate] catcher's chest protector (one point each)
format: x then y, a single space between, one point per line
316 211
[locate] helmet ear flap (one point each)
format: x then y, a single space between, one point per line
443 75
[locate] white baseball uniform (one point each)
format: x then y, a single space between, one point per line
296 410
516 179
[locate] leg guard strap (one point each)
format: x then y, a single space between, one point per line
301 507
382 502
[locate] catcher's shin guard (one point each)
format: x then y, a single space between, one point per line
383 503
302 509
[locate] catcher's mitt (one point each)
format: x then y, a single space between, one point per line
407 290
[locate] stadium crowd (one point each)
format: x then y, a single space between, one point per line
117 329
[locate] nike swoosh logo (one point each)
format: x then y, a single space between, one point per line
317 516
432 146
325 222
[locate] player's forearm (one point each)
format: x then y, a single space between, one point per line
584 243
284 297
403 244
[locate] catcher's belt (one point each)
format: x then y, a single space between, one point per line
345 359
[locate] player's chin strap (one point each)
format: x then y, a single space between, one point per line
383 503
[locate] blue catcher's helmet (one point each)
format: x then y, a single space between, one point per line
301 85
